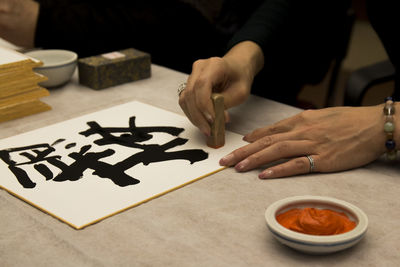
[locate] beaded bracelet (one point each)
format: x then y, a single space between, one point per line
388 111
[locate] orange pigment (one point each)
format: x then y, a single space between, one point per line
316 221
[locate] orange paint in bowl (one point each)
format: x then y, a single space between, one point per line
314 221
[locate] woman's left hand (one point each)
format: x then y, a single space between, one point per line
18 20
336 138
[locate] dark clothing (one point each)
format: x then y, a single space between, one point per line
173 32
299 40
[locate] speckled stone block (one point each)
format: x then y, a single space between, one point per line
114 68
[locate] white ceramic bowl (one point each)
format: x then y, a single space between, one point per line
58 65
316 244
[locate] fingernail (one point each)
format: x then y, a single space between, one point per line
266 174
208 117
225 160
242 165
247 138
205 131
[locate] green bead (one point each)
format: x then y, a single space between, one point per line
388 127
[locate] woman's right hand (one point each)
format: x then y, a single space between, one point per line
231 76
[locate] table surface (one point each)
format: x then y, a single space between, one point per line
216 221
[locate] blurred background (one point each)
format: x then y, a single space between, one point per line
364 49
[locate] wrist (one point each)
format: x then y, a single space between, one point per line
248 56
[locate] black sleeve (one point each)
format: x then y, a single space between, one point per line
173 32
282 26
299 40
265 25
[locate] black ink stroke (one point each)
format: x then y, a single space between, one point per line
132 137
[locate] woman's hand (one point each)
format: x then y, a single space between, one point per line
336 138
231 75
18 20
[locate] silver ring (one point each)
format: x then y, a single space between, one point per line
181 87
312 165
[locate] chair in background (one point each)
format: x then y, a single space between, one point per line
363 79
341 53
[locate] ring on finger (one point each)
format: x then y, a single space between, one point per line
181 87
312 163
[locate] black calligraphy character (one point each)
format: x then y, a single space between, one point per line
133 136
91 160
35 154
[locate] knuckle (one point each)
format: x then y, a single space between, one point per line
302 115
201 63
197 64
219 67
237 156
279 169
215 60
306 114
274 128
256 159
265 141
256 132
239 153
301 165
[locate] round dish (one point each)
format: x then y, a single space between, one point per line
316 244
58 65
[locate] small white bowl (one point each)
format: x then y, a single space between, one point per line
316 244
58 65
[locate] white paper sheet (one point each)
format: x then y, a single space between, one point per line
82 198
